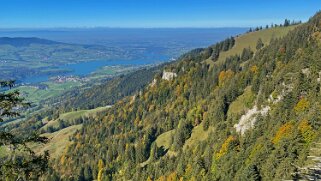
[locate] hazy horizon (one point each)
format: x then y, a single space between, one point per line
116 36
152 14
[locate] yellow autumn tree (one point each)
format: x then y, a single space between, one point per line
283 132
302 105
254 69
78 136
255 151
188 170
151 107
306 131
178 90
62 159
161 178
78 146
224 147
172 177
224 76
100 170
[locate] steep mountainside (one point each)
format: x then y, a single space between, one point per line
251 117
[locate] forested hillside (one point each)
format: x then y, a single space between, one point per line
85 98
253 116
107 93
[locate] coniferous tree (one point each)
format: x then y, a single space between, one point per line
253 173
19 162
246 54
259 44
88 173
286 23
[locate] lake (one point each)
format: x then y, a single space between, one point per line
85 68
157 42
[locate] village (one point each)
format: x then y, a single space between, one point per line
70 78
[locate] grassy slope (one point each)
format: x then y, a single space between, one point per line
76 114
58 141
250 40
165 139
71 116
198 134
242 103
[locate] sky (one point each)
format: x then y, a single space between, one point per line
152 13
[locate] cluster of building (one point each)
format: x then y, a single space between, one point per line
63 79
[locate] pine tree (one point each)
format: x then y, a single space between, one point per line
259 44
20 162
246 54
88 173
286 23
154 152
253 173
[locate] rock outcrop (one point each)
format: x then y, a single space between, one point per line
169 75
248 120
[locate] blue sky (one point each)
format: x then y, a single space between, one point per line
152 13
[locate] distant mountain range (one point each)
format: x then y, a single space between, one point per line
22 41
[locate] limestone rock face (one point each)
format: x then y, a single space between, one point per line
248 120
169 75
